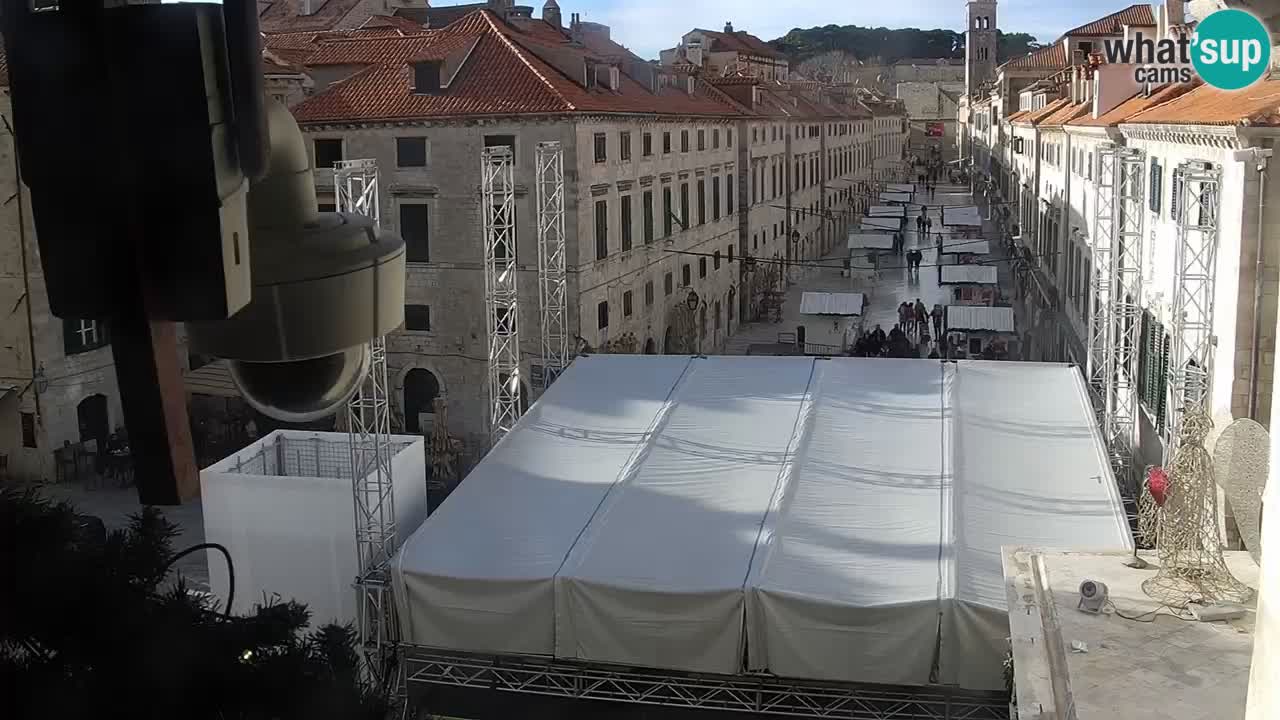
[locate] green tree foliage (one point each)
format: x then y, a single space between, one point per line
891 45
92 625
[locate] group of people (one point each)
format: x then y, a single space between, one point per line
915 318
876 343
924 223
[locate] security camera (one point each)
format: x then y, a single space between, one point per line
323 285
1093 596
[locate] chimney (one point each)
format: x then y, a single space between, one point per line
1175 11
551 13
307 7
689 84
728 27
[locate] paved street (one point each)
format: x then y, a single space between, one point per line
894 286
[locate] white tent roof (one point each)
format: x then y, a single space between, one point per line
897 211
881 223
969 274
900 187
826 303
961 216
895 197
838 518
979 317
870 241
967 247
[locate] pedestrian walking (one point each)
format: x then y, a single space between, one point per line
936 314
903 314
922 317
928 224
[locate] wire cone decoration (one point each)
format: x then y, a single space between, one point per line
1187 541
1148 518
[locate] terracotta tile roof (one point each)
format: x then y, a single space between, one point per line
1114 23
1066 113
1257 105
1132 106
438 17
286 15
4 68
404 25
1050 57
501 76
1017 116
1035 117
738 41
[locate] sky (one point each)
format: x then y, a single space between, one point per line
647 26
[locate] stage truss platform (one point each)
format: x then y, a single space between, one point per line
437 678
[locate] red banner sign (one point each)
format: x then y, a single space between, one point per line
934 129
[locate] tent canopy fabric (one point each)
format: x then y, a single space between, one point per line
895 197
896 211
969 275
900 187
961 216
967 247
827 303
870 241
834 519
980 318
882 224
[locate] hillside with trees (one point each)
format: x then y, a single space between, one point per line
890 45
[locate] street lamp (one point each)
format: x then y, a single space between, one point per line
693 300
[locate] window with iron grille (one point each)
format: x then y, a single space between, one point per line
602 229
624 220
702 201
624 146
646 216
626 304
601 147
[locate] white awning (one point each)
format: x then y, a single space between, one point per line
961 216
882 223
887 211
889 197
980 318
825 303
838 519
969 275
966 247
899 187
870 241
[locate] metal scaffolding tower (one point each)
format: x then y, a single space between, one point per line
1101 284
551 261
497 203
1196 188
1126 302
355 184
369 439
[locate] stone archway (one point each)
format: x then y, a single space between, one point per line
421 388
669 341
94 421
650 347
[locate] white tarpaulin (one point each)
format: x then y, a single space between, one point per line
870 241
896 211
888 197
969 275
838 518
980 318
900 187
967 247
961 216
826 303
882 223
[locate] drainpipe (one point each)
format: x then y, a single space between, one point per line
26 275
1260 155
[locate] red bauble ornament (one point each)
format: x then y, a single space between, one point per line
1158 485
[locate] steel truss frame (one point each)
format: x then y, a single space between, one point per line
1126 316
355 184
1191 356
497 205
369 439
754 694
552 293
1102 323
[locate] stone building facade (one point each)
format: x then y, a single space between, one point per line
673 181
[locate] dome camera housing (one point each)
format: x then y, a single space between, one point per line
324 285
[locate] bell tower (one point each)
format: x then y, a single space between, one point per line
979 43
